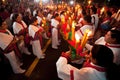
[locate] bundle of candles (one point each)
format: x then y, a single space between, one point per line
77 45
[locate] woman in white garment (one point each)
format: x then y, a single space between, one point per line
55 25
20 29
111 40
100 66
36 34
9 47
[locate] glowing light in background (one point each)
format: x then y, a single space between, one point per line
71 2
43 1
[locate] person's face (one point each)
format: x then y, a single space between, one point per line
4 25
19 18
108 38
35 23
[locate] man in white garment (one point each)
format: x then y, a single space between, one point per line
36 32
55 24
111 40
7 46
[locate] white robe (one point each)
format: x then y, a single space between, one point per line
5 40
82 30
36 47
39 19
95 20
17 27
55 41
114 47
85 73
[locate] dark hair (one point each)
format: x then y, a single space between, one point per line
62 12
15 16
56 15
109 13
83 12
87 18
115 34
94 9
33 20
37 12
102 54
104 57
1 21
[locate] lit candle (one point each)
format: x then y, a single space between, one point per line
63 19
73 30
42 25
77 37
85 38
89 2
102 10
72 16
67 31
70 21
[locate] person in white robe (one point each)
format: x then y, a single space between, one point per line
100 58
40 19
111 40
87 26
55 24
20 29
36 32
94 15
9 48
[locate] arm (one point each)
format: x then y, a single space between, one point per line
63 68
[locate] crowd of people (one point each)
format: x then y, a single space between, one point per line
23 25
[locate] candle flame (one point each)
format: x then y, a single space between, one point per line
89 2
43 18
77 37
69 18
42 24
3 0
102 10
88 32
